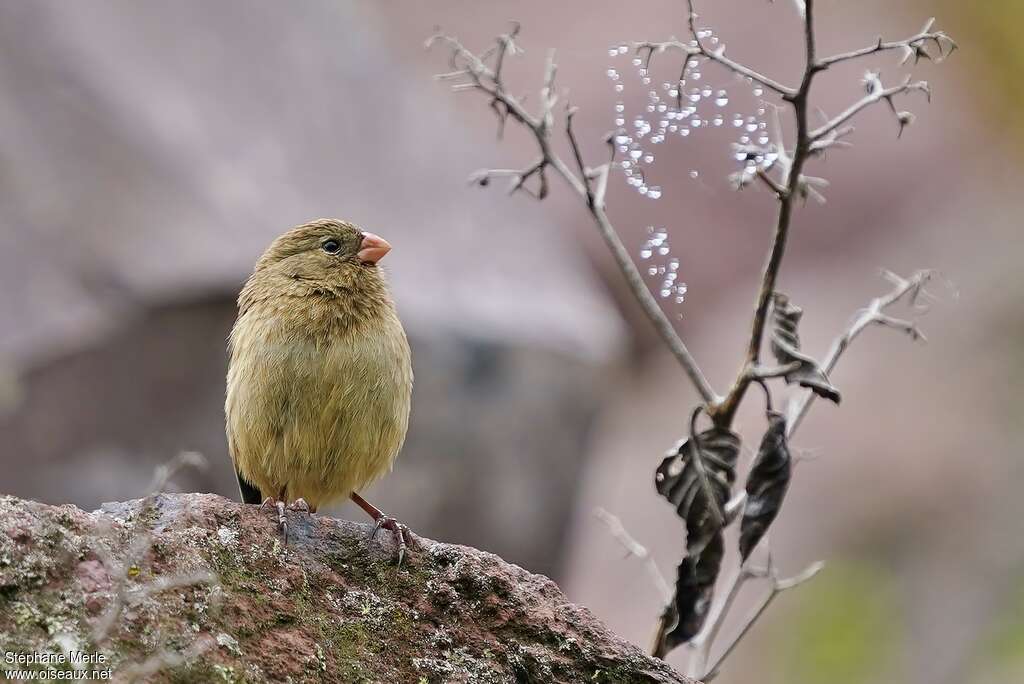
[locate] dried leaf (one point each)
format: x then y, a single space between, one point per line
786 347
766 484
695 585
697 477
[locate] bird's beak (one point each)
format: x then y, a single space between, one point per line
372 249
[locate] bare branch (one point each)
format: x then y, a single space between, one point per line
779 585
833 139
910 290
809 37
481 77
127 592
793 184
723 413
601 175
768 372
577 154
769 158
700 646
163 473
635 549
915 46
876 93
165 658
696 48
548 97
780 190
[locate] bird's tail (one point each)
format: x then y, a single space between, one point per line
250 493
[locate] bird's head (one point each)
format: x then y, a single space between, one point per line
325 254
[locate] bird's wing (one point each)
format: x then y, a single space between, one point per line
250 493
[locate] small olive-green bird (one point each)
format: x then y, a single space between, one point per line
320 375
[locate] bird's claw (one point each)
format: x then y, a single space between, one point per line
300 505
282 522
403 536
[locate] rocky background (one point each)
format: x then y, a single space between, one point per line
150 151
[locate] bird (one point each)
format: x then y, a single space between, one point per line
319 380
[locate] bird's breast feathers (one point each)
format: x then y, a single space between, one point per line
323 413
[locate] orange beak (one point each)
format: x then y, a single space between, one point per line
372 249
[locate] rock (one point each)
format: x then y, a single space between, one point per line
197 588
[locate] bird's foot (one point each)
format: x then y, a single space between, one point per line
282 522
403 536
301 505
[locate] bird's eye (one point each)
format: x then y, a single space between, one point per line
330 246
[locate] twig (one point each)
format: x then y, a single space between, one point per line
914 46
780 190
165 658
700 645
778 586
794 184
769 372
876 93
125 593
833 139
164 472
483 78
635 549
140 546
697 49
724 412
584 172
911 289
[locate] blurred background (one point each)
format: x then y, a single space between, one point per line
149 151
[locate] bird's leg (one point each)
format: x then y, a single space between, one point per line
381 520
281 520
299 505
279 504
